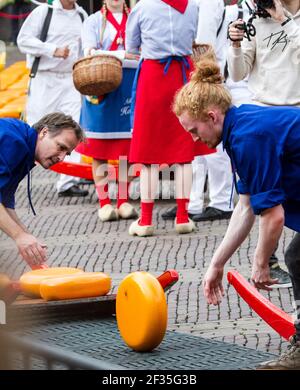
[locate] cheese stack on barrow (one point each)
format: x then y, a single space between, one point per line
64 283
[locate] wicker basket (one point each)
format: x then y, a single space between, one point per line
97 75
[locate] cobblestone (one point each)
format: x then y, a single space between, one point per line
75 237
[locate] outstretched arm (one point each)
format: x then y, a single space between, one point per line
239 227
271 224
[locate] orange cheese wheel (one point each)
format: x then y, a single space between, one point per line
142 312
85 285
30 281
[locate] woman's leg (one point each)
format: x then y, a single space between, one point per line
149 182
125 209
100 175
183 185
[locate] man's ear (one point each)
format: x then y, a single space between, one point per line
44 132
212 115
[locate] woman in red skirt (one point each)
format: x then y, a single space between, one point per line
165 31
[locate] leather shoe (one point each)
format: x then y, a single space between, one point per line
171 214
74 191
212 214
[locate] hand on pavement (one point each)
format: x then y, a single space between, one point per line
32 250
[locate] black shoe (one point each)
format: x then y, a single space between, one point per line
86 182
284 280
74 191
171 214
211 214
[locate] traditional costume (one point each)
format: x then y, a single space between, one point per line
165 31
106 119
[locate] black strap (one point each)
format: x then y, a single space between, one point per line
221 25
81 16
43 37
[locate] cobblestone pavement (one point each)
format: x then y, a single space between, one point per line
75 237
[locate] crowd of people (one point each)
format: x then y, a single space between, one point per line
228 110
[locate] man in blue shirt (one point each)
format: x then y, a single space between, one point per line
47 142
263 144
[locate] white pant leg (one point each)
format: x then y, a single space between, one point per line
219 179
42 98
197 193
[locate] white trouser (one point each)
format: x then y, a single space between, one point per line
218 167
199 167
51 92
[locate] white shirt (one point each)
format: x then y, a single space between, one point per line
271 60
91 33
64 30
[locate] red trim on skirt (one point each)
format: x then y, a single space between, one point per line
104 149
158 137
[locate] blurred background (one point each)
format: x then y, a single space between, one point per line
14 12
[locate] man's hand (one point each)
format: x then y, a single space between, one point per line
261 276
212 285
62 52
130 56
31 249
277 13
236 34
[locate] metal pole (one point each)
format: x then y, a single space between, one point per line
91 7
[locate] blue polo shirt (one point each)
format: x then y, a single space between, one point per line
17 156
263 144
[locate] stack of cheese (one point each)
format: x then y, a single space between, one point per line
13 90
64 283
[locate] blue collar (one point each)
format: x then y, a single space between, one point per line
228 125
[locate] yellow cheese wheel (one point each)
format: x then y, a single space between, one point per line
30 281
85 285
141 310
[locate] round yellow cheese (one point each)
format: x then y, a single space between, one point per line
30 281
85 285
142 312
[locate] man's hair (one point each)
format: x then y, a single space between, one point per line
57 122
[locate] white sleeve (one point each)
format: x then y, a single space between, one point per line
28 40
241 59
133 31
293 32
209 21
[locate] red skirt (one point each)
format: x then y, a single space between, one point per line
105 149
158 137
